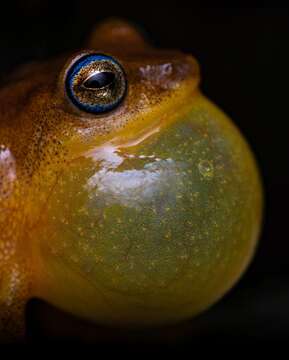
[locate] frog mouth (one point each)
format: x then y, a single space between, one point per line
107 153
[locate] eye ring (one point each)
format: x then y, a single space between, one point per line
96 83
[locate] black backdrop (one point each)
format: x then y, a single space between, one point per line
244 60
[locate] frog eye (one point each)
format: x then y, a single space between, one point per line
96 83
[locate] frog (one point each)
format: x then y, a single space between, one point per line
127 197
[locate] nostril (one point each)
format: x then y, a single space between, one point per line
7 172
166 69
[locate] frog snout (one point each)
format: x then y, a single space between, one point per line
171 73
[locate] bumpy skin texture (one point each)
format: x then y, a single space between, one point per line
143 216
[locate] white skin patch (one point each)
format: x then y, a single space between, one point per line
7 172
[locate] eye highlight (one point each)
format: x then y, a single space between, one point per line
96 83
99 80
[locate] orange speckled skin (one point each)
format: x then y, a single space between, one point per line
142 216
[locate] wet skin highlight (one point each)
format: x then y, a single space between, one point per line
141 216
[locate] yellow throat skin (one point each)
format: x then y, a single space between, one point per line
142 216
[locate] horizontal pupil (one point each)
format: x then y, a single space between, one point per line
99 80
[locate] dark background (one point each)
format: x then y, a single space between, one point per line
244 59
